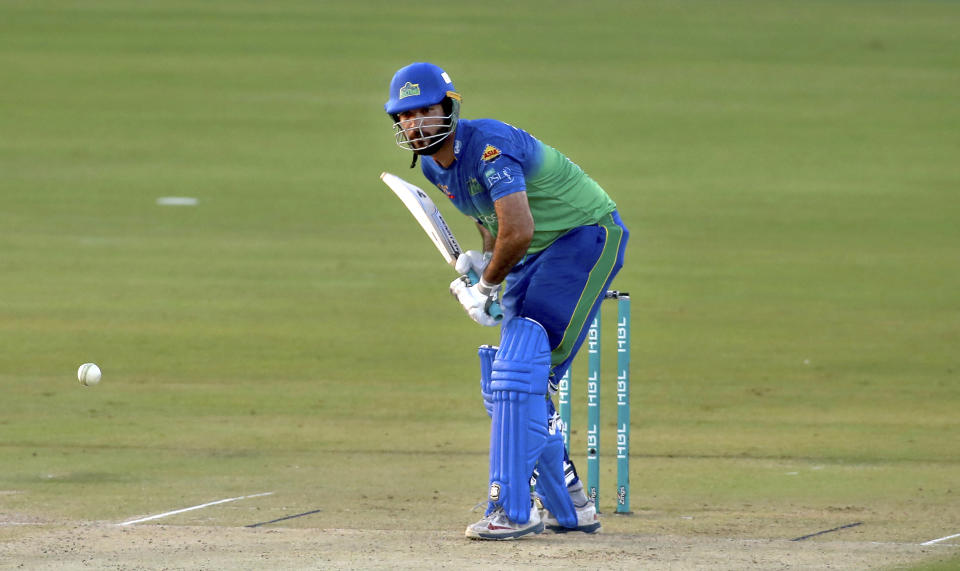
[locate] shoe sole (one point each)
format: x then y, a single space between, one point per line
506 536
592 528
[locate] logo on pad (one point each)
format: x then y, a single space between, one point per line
494 492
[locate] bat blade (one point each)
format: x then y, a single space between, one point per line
427 215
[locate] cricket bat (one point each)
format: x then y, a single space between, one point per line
428 216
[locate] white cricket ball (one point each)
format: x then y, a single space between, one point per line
88 374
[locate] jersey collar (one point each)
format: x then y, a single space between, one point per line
461 136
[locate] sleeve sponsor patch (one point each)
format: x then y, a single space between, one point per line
494 176
490 153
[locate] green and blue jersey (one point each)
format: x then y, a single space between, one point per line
494 159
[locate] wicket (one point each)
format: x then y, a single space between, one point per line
594 354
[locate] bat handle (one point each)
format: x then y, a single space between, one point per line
495 310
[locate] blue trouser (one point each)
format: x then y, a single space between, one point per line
561 287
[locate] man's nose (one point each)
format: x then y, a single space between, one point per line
411 123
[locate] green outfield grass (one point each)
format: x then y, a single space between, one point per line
788 171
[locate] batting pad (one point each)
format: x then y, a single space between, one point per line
518 432
552 485
487 354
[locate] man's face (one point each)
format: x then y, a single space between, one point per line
422 123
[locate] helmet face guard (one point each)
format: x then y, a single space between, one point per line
417 86
440 128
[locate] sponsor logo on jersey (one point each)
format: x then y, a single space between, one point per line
409 90
490 153
474 186
445 189
490 218
493 176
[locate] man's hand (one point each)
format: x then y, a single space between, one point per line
472 263
476 299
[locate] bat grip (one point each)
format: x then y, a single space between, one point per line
494 310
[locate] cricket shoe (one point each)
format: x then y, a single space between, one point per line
587 520
497 526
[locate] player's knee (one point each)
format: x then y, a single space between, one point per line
522 363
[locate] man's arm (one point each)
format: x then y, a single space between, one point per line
486 238
513 236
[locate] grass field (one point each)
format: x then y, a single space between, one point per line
788 171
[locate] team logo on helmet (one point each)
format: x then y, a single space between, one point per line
490 153
409 90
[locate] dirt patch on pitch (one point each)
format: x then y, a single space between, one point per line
108 546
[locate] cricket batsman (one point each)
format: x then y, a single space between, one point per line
552 242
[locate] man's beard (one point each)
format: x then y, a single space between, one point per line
435 145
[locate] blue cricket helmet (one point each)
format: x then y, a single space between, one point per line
416 86
419 85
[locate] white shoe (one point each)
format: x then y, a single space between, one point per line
497 526
587 520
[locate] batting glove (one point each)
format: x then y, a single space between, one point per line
476 299
472 263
